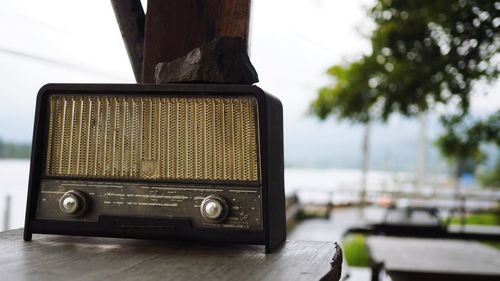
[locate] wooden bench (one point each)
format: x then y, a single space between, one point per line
53 257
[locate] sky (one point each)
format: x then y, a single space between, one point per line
292 43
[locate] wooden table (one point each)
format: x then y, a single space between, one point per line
53 257
433 259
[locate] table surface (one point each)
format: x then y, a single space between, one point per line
434 256
54 257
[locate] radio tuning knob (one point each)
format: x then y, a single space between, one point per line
73 203
214 208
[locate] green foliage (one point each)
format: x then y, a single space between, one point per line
424 53
490 178
463 137
351 97
355 250
492 244
479 219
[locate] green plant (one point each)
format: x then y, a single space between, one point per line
492 244
479 219
490 178
355 250
462 139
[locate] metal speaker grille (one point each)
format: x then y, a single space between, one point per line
188 138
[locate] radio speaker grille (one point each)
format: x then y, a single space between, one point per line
186 138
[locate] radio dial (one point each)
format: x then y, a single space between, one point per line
214 208
73 203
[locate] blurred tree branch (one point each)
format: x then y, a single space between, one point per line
463 137
423 53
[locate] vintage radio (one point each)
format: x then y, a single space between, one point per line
196 162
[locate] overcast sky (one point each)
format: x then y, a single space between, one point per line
292 43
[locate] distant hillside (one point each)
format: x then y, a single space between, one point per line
14 150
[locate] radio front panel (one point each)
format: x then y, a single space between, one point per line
156 200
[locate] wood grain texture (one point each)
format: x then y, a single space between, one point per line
131 19
175 27
409 256
52 257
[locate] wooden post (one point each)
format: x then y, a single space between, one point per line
6 214
172 28
175 27
131 20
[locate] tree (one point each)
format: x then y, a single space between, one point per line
424 53
462 140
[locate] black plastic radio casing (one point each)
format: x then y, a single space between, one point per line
270 118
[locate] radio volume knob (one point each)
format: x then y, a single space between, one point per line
214 208
73 203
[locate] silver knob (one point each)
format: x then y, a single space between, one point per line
214 208
70 204
73 203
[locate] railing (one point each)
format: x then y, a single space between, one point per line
347 195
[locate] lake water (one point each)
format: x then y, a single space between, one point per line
310 184
13 182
